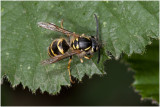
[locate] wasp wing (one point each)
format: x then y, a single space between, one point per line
60 57
54 27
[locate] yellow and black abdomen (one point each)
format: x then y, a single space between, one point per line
58 47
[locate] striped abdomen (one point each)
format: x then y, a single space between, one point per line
82 43
58 47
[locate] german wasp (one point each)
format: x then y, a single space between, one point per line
81 45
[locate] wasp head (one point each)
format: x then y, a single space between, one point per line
95 44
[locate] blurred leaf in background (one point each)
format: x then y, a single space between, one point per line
146 69
124 27
113 89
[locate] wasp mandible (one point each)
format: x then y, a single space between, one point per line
81 45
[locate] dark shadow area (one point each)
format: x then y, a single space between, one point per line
113 89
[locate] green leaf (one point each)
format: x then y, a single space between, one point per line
124 27
146 69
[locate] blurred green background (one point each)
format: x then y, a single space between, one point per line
113 89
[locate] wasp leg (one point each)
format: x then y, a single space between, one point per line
88 57
69 66
62 23
81 60
74 34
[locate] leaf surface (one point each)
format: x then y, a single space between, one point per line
146 69
124 27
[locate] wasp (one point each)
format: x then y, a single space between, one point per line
81 45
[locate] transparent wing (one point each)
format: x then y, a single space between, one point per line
60 57
54 27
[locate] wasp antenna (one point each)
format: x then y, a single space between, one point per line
97 36
97 29
98 55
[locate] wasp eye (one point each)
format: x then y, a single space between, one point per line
94 49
